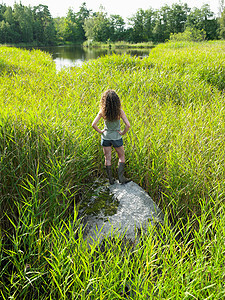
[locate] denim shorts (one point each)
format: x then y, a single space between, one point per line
114 143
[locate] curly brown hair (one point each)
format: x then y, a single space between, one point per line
110 105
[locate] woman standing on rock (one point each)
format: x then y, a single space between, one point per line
111 112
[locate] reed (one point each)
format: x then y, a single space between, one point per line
118 45
50 158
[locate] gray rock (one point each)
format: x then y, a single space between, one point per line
136 210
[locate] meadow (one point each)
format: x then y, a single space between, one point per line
51 157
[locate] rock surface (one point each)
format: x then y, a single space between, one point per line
135 210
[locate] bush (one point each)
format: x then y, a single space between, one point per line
190 35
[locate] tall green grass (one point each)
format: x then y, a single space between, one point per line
118 45
50 157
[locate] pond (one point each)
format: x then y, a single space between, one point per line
73 55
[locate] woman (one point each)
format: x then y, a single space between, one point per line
111 112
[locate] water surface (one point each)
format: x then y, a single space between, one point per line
75 55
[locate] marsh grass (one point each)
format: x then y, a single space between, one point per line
119 45
51 157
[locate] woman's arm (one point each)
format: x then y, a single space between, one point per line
95 122
126 122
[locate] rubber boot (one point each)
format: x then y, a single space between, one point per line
122 178
109 174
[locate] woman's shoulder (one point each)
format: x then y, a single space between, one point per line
122 113
100 114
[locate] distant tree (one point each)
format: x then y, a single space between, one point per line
161 30
203 19
142 24
71 27
10 31
137 23
221 7
89 28
150 22
24 19
81 16
222 25
177 17
97 27
5 32
74 24
117 28
25 24
8 15
2 11
10 27
44 29
59 24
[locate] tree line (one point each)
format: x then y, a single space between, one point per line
35 25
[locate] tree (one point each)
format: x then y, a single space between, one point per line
89 28
98 28
221 7
8 15
5 32
161 30
26 24
222 25
24 19
117 24
81 16
59 24
74 24
11 32
44 29
150 22
177 17
71 27
2 11
137 23
203 19
142 24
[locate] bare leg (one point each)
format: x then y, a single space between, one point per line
121 154
107 152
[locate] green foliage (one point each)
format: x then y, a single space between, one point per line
23 24
34 25
23 17
74 23
170 20
44 30
97 27
142 26
202 19
50 157
222 25
189 35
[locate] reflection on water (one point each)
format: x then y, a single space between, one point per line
75 55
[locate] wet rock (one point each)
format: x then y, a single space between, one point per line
135 210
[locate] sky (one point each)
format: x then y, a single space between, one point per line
124 8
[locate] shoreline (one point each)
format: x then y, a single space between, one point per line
86 44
